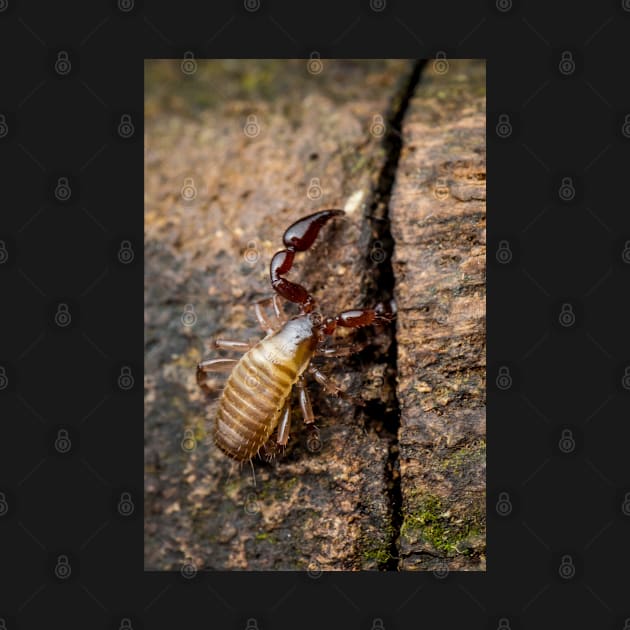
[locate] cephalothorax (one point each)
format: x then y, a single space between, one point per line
256 398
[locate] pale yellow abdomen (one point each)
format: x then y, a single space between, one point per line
254 396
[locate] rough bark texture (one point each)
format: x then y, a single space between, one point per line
235 152
217 203
437 214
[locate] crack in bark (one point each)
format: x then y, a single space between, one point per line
379 287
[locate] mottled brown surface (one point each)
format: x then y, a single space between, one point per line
437 213
328 507
325 508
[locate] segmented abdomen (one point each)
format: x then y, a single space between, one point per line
253 400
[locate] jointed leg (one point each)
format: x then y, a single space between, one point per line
358 318
271 446
305 402
333 389
278 308
227 344
213 365
284 426
263 320
341 351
